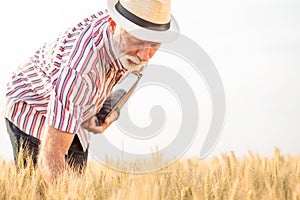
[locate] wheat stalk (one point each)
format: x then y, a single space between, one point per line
248 178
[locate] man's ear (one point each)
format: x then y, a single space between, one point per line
112 25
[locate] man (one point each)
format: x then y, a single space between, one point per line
53 97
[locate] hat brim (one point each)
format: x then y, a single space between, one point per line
140 32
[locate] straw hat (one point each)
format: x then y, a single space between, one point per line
149 20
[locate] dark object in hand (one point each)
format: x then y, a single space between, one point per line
109 105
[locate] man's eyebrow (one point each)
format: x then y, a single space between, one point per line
137 41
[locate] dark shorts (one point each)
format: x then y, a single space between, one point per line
76 157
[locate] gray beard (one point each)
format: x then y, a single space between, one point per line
131 63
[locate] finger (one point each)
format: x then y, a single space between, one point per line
98 129
113 116
92 126
89 123
103 127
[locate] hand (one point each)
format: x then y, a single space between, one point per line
91 124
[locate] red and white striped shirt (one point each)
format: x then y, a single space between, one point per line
66 81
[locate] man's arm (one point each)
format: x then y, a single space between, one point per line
51 159
55 144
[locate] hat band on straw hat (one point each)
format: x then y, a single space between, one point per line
139 21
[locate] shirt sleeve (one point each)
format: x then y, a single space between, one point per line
70 90
68 98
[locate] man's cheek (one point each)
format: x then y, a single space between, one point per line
127 48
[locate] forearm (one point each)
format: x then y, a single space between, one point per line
52 153
51 164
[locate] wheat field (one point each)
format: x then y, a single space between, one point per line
225 177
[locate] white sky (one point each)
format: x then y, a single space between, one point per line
255 46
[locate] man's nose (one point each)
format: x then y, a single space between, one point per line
144 53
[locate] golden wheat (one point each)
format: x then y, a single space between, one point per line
225 177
